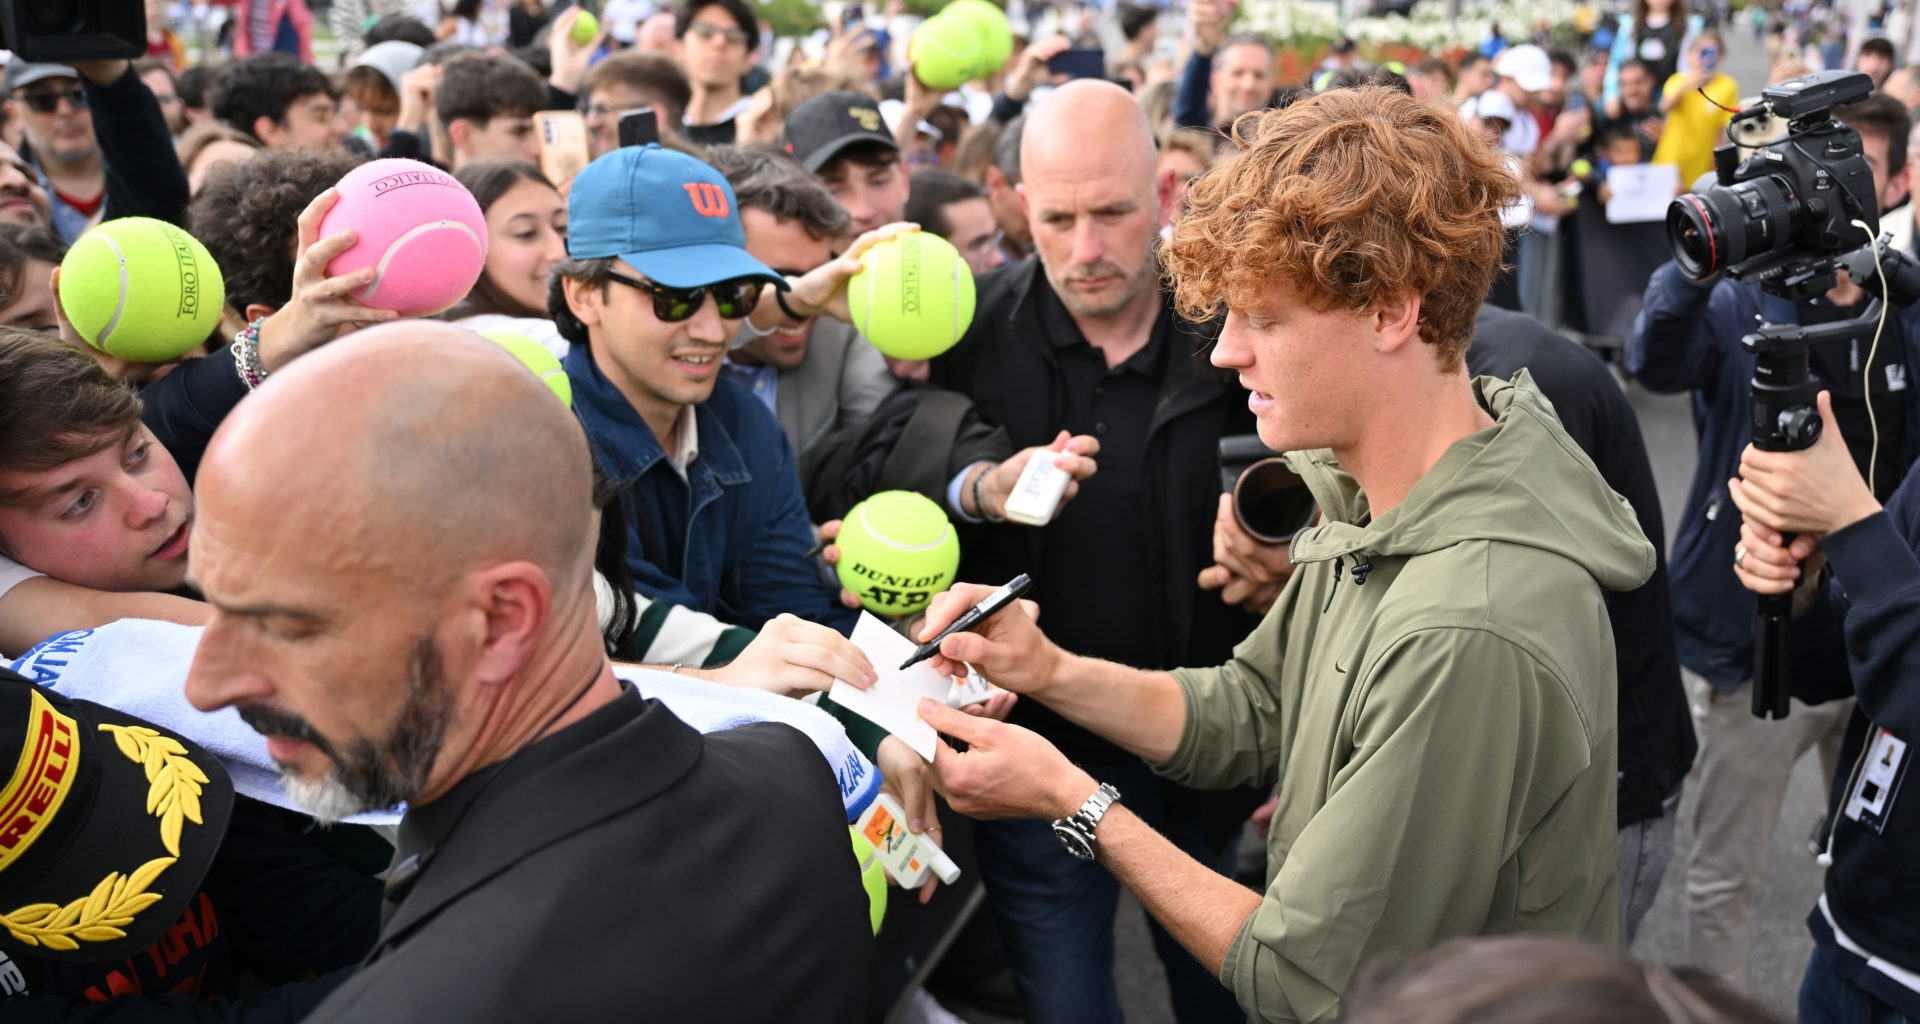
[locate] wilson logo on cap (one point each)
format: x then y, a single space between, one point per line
41 780
708 199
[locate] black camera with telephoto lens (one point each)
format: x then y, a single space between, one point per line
1781 215
1792 215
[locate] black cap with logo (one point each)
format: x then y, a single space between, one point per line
107 825
820 128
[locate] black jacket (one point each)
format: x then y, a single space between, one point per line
1873 605
627 865
1006 364
1656 732
185 407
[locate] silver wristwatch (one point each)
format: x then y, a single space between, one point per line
1076 832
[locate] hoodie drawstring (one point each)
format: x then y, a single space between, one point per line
1361 567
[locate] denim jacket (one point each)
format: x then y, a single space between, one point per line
730 539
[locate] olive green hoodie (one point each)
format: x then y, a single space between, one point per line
1433 692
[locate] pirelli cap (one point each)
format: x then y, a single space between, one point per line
107 826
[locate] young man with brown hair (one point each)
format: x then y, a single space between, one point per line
1433 691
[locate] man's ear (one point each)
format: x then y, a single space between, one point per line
1165 188
268 130
460 133
514 601
1026 213
256 310
1396 320
583 300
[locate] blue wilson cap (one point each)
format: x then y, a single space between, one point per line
671 217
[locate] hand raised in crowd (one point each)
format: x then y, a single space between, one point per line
920 100
1815 491
1073 455
1207 22
793 656
568 59
1246 571
102 72
417 88
1031 70
845 52
321 308
822 291
908 779
1006 771
1008 649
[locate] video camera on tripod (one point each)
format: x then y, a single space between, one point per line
1789 217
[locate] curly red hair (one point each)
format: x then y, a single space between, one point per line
1352 197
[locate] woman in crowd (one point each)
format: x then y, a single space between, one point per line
526 233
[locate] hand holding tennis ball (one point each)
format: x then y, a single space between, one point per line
822 291
321 307
897 550
585 27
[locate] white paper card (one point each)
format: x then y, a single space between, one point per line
1641 192
893 703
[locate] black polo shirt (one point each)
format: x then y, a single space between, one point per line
1103 543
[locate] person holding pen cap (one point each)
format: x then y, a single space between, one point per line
1433 690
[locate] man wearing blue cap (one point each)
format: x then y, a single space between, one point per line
656 285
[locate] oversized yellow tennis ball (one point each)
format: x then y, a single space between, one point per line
945 53
142 290
585 27
873 877
913 298
897 550
544 364
990 23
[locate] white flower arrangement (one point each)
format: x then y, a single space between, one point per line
1306 23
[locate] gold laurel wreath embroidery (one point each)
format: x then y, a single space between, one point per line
173 794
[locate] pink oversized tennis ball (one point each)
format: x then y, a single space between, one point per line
421 232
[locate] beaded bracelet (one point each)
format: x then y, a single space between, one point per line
246 355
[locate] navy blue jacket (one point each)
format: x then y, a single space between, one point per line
730 539
1687 338
1873 603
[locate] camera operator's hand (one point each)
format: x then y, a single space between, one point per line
1008 649
102 72
1245 571
321 307
1765 567
1815 491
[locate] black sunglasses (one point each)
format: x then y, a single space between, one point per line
733 299
47 101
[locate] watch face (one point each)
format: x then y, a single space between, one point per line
1071 838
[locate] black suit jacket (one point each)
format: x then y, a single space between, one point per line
637 870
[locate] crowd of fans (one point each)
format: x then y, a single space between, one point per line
558 669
